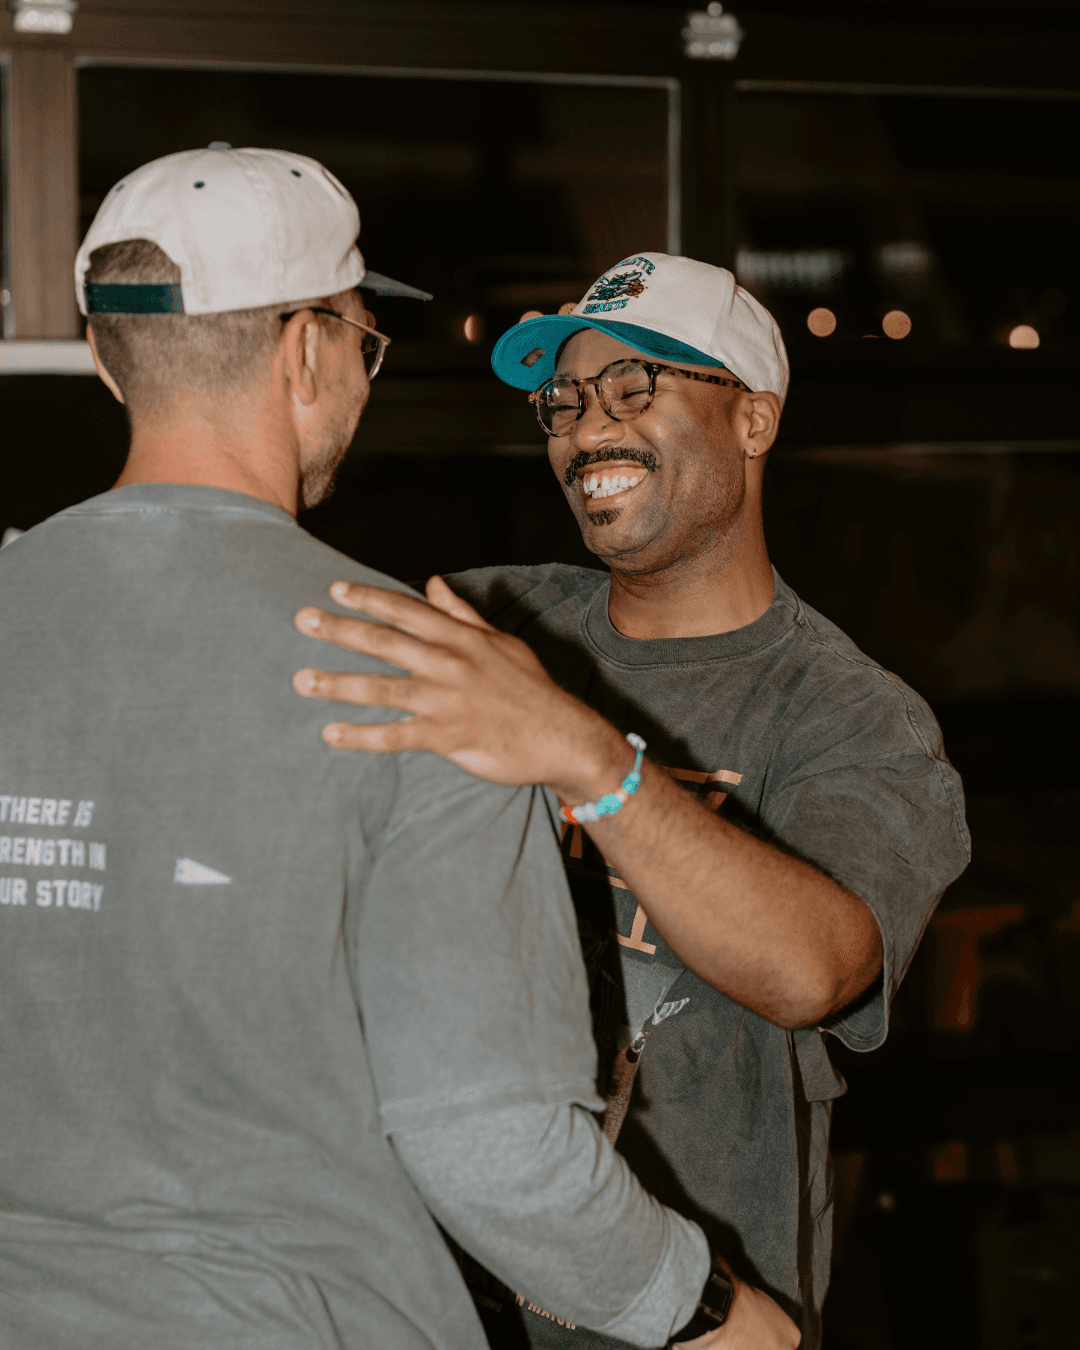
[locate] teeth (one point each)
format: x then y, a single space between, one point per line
595 486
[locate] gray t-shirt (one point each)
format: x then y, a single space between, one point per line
791 731
233 959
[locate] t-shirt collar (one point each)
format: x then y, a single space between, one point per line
135 497
775 623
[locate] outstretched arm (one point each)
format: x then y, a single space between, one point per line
539 1196
769 930
476 1025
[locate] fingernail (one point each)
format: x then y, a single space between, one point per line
339 590
332 733
308 618
305 681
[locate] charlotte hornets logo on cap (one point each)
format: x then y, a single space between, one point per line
615 288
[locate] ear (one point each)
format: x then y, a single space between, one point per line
100 367
760 423
301 346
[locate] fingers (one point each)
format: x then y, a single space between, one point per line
416 624
407 612
441 597
364 691
378 738
358 635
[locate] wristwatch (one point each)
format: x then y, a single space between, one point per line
712 1308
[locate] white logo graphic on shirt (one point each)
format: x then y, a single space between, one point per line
191 873
667 1010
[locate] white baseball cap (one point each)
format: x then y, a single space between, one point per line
247 228
669 307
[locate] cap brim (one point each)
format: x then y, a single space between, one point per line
524 357
375 281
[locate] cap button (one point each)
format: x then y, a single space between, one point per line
219 145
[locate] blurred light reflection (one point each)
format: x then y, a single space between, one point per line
821 322
896 324
1024 336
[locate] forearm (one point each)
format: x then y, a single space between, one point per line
538 1195
769 930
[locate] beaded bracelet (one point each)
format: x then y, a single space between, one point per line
611 801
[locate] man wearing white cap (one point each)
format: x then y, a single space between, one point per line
258 997
764 875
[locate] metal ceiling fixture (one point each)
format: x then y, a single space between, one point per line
712 35
44 16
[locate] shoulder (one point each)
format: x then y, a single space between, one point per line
850 726
318 561
210 532
842 686
850 714
537 589
226 570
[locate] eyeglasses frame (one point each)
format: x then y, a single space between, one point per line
384 341
653 368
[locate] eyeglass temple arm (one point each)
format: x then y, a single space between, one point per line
707 379
322 309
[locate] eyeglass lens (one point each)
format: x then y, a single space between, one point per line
623 389
372 349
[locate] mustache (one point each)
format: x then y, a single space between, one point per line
583 460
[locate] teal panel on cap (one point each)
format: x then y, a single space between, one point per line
511 358
109 298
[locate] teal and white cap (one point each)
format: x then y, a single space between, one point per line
672 308
247 228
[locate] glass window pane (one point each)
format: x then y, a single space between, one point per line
941 222
497 197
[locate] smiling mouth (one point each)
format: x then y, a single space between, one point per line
596 485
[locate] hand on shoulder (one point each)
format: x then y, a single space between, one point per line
475 695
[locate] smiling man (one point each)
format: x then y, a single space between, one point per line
763 876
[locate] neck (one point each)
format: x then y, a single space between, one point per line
243 448
725 587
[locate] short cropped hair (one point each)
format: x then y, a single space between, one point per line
157 358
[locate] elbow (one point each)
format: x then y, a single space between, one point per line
809 1009
799 995
804 1001
833 983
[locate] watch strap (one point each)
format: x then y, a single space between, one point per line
713 1306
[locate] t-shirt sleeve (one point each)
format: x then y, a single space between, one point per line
866 794
491 590
465 952
511 597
